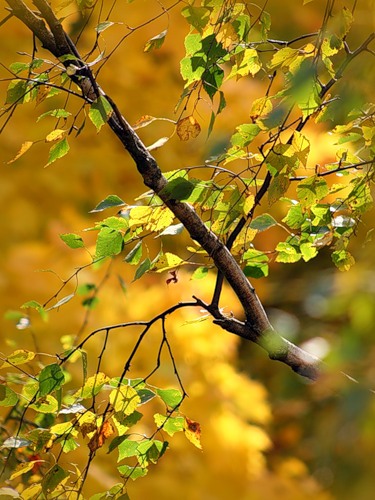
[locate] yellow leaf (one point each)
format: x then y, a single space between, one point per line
24 467
124 399
24 148
193 432
167 261
248 205
139 216
55 135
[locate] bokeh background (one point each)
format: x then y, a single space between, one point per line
266 432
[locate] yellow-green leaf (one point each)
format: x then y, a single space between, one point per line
18 357
55 135
167 261
124 399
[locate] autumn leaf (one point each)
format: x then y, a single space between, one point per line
188 128
193 432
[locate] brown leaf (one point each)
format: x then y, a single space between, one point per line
188 128
98 439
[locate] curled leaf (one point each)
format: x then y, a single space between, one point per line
188 128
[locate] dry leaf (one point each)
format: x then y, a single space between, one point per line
188 128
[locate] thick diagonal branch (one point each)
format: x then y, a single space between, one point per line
257 327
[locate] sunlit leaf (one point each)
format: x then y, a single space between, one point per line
18 357
167 261
72 240
99 112
155 42
55 135
7 396
24 148
47 404
92 386
199 273
287 253
103 26
169 424
135 254
111 201
124 399
24 467
109 242
171 397
57 151
132 472
193 432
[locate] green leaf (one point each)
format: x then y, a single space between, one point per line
132 472
56 113
278 187
103 26
18 92
171 397
57 151
72 240
212 79
50 379
135 254
169 424
263 222
47 404
256 264
7 396
99 112
145 395
308 251
246 133
197 17
177 189
199 273
343 260
53 478
295 217
126 447
155 42
142 269
311 190
111 201
151 451
287 253
18 67
108 243
33 304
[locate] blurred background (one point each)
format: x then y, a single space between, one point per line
266 432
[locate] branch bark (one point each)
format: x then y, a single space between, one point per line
257 328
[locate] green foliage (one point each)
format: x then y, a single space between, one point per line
264 181
76 419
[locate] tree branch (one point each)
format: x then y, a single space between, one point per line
257 327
